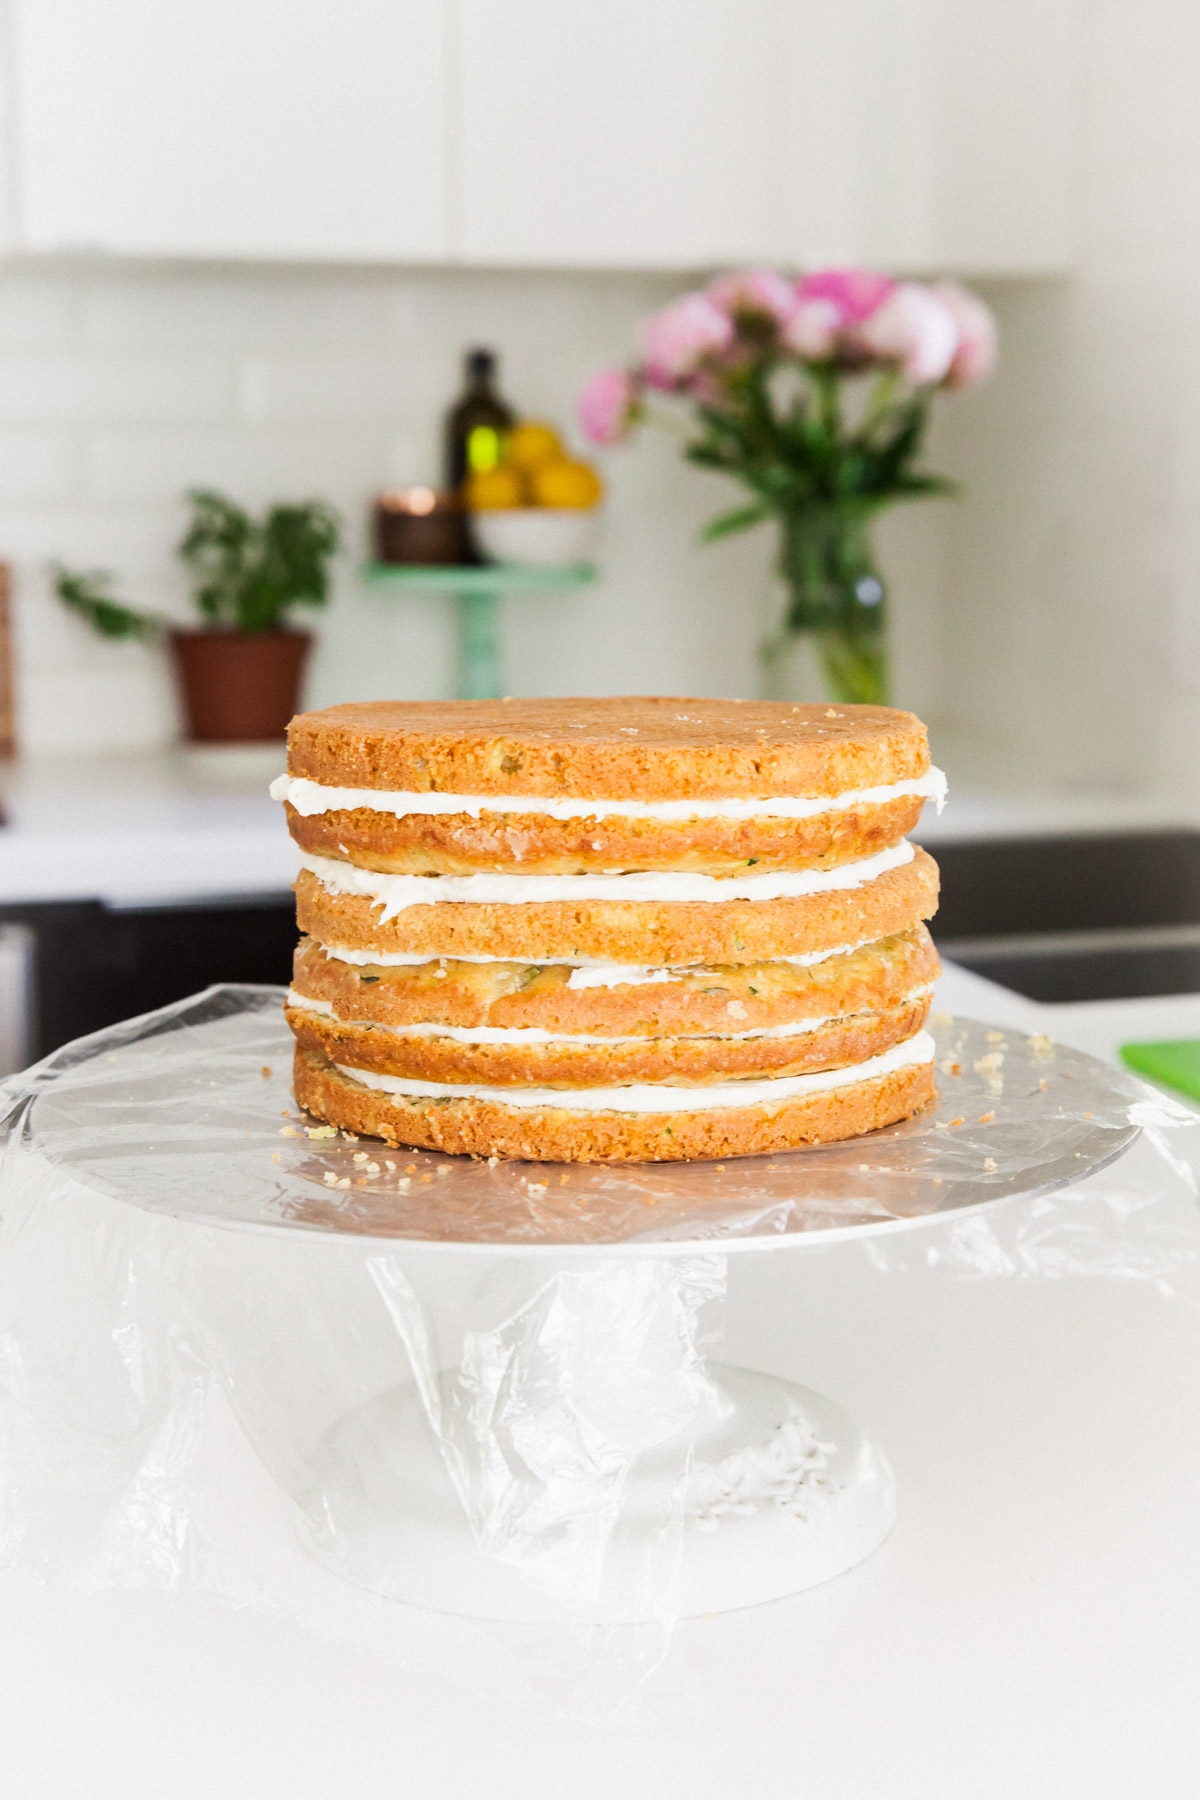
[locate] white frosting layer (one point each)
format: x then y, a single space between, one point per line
586 971
533 1034
395 893
651 1098
310 798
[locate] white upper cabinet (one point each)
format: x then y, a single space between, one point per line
668 134
628 133
918 134
231 128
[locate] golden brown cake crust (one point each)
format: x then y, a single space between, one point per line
552 1134
531 843
626 748
645 932
508 995
684 1061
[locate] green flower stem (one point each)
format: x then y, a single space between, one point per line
835 592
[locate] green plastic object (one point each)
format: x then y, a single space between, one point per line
1175 1063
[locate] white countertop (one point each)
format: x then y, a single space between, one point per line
1031 1628
144 826
139 827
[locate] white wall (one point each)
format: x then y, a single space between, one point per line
1072 602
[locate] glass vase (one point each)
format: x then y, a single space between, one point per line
831 639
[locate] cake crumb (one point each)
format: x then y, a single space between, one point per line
320 1131
372 1168
330 1178
1041 1046
995 1037
985 1118
990 1164
275 1156
360 1156
563 1180
389 1165
288 1131
267 1071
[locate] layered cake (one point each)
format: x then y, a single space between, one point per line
610 930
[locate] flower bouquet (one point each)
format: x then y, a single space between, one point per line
815 395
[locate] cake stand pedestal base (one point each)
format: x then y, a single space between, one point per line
779 1491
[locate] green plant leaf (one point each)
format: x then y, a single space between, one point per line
86 592
741 518
248 573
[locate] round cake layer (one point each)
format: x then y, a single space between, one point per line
641 749
658 1003
476 1127
662 933
460 844
564 1063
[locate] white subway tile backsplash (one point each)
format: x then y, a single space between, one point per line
76 386
38 310
337 388
236 309
131 704
37 466
256 464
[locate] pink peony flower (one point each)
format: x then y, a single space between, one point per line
975 356
914 328
856 293
606 406
678 338
761 293
812 331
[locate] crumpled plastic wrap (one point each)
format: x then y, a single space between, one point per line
218 1322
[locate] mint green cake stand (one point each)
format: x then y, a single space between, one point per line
477 592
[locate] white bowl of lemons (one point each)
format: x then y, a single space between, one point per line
537 505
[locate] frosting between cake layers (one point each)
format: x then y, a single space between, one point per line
645 1097
394 893
533 1034
310 798
586 971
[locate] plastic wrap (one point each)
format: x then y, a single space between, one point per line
227 1339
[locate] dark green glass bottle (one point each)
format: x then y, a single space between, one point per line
478 423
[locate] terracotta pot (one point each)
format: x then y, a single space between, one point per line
238 686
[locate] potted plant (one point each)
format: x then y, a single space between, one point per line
239 671
815 396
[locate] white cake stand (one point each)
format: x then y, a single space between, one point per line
486 1387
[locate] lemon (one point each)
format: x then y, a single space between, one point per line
494 490
532 443
565 483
